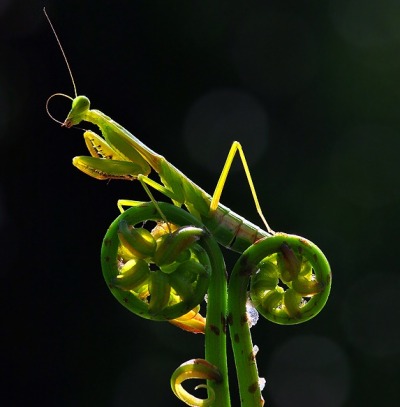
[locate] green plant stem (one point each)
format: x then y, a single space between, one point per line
215 332
215 341
242 345
245 267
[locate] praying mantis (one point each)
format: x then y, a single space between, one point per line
291 275
120 155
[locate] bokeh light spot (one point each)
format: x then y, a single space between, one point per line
308 371
220 117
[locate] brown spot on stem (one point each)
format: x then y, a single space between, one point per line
214 329
246 267
252 357
236 338
223 323
304 241
243 319
253 387
125 300
229 319
248 270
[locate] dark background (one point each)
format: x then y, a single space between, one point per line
311 89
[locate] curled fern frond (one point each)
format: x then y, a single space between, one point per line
162 272
195 369
290 278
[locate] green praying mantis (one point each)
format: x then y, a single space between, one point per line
290 276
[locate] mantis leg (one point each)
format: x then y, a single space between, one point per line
146 181
107 162
236 146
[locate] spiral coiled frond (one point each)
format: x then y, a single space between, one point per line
162 273
195 369
290 278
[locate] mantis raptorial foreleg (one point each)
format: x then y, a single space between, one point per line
236 146
110 160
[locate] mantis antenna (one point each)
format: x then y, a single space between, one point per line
68 67
62 51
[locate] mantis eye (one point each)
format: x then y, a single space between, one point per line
80 104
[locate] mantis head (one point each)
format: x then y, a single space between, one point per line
80 106
79 109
